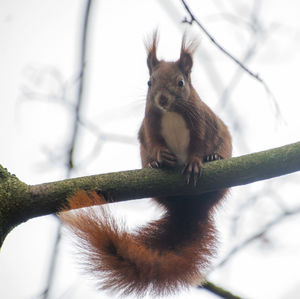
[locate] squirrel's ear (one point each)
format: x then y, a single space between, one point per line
185 61
151 47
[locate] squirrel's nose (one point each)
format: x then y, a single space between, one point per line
163 101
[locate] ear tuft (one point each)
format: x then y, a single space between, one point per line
151 46
185 61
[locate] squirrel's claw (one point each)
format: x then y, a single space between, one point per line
153 164
193 170
212 157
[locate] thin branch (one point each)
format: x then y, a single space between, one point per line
257 235
238 62
102 136
217 290
235 79
52 263
213 40
70 163
81 84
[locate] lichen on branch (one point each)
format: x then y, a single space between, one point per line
14 197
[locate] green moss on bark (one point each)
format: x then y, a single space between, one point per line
13 195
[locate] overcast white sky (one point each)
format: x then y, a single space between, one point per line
39 47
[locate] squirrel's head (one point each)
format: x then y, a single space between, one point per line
169 82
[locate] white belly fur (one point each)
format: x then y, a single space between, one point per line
176 134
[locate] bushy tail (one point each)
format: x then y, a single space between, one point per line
159 258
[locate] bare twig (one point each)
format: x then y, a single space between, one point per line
42 77
258 235
233 58
213 40
102 136
81 85
70 163
217 290
218 45
52 264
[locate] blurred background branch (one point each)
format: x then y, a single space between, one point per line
217 44
258 235
74 136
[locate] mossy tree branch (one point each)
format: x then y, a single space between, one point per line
20 202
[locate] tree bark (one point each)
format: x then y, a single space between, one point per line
20 202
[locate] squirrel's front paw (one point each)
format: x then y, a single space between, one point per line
193 170
164 157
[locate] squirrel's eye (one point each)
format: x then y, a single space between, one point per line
149 83
181 83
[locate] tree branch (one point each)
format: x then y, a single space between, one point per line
79 99
74 138
233 58
230 56
20 202
257 235
213 40
217 290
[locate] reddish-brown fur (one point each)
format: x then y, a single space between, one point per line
172 252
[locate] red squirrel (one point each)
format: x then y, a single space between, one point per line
171 253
